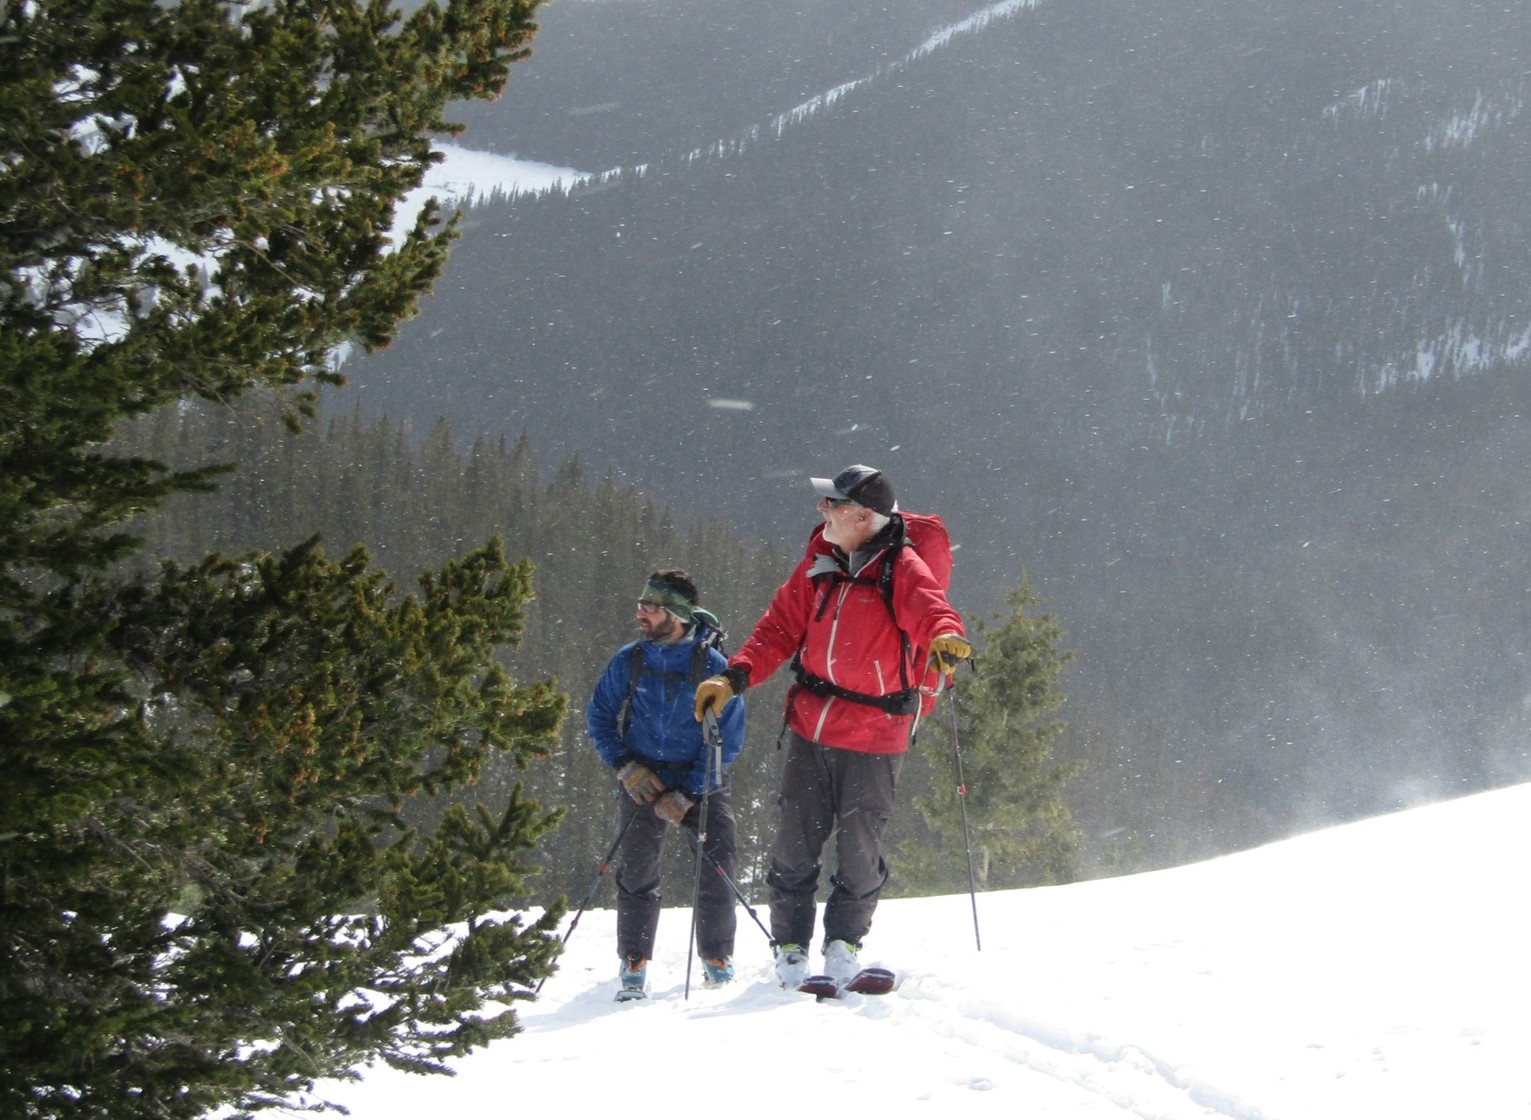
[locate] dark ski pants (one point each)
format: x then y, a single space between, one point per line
640 855
828 790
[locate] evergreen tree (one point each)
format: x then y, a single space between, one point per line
594 545
208 895
1019 828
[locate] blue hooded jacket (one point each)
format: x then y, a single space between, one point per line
662 731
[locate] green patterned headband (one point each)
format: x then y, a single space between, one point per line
668 598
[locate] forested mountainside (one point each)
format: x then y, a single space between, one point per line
592 544
620 84
1212 322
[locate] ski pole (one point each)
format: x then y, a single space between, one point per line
738 894
714 743
595 885
962 790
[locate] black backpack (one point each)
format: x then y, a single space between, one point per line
709 636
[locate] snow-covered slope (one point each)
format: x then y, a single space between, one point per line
1374 970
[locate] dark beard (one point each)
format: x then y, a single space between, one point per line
666 631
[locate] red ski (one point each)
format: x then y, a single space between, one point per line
867 982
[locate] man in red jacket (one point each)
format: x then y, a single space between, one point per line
863 620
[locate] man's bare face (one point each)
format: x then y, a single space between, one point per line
655 624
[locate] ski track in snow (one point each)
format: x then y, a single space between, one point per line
1130 1080
1092 1076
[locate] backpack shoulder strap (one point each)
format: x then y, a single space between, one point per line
926 534
709 636
634 667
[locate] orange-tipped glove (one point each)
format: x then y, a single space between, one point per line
641 783
673 806
713 693
947 652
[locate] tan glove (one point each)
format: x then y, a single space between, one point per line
673 806
713 693
947 651
641 783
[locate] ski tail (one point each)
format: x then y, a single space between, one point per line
824 987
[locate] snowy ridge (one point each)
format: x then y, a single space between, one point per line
975 22
1377 969
465 175
972 24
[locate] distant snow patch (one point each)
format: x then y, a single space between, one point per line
465 175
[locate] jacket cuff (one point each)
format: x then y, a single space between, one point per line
738 678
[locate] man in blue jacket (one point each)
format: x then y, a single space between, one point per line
641 719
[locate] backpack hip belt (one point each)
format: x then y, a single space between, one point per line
904 702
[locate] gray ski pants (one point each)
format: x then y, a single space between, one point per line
824 791
641 853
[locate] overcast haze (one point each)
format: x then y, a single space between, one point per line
1209 322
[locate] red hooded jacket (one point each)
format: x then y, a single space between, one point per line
850 638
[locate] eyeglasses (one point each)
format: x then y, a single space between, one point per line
649 608
836 503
